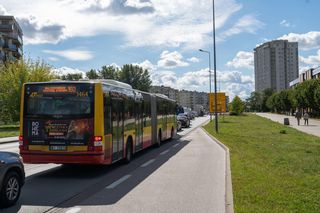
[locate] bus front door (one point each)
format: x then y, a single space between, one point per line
117 128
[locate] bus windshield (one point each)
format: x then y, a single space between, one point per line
59 100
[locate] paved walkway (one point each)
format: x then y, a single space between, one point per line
313 128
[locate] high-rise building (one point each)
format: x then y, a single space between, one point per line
275 65
10 39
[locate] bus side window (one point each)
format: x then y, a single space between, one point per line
107 107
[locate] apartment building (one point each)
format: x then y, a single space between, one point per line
184 98
275 65
10 39
313 73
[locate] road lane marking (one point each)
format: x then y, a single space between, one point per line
148 163
116 183
164 152
176 145
73 210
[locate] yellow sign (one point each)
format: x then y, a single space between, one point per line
221 102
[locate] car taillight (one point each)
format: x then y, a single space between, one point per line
95 144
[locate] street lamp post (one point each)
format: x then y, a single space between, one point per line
214 67
209 75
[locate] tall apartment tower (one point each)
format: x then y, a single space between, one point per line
275 65
10 39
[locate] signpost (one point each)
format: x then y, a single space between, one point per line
221 102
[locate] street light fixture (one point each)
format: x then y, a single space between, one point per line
201 50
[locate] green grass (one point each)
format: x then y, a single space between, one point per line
271 172
9 130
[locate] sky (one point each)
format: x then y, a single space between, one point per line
164 36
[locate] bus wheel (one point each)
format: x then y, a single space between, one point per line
128 152
159 139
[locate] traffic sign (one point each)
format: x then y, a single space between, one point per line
221 102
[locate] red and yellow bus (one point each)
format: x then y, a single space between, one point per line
91 122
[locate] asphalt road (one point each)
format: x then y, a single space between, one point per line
186 174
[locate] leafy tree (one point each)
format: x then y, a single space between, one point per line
254 102
265 95
92 74
109 72
72 77
136 76
317 95
12 76
236 106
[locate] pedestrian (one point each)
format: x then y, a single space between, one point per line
298 116
306 118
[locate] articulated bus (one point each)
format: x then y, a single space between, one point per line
91 122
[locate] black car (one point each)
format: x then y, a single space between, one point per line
12 177
185 122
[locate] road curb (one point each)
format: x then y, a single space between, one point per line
229 193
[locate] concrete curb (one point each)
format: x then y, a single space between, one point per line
229 193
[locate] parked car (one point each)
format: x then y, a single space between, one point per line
12 177
179 125
185 121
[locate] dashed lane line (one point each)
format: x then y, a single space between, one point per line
116 183
148 163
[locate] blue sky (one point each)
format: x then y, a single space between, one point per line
164 36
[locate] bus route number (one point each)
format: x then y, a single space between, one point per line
82 94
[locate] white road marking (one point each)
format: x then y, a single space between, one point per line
177 144
73 210
116 183
164 152
148 163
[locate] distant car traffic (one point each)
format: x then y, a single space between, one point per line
12 177
185 121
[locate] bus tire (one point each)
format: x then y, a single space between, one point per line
128 157
159 138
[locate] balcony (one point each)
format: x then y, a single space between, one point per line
12 47
17 39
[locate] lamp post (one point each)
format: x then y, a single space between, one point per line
201 50
214 66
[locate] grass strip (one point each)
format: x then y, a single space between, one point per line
274 168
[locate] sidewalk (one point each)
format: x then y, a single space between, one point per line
9 139
313 128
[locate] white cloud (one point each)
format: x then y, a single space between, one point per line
3 10
312 60
53 58
246 24
171 60
307 41
242 60
71 54
146 65
68 70
141 22
193 59
165 78
285 23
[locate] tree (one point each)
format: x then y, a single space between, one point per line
92 74
254 102
72 77
265 95
236 106
109 72
136 76
12 76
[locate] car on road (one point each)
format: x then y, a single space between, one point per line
185 121
12 177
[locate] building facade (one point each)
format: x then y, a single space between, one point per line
275 65
10 39
185 98
313 73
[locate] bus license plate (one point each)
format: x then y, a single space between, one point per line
57 148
